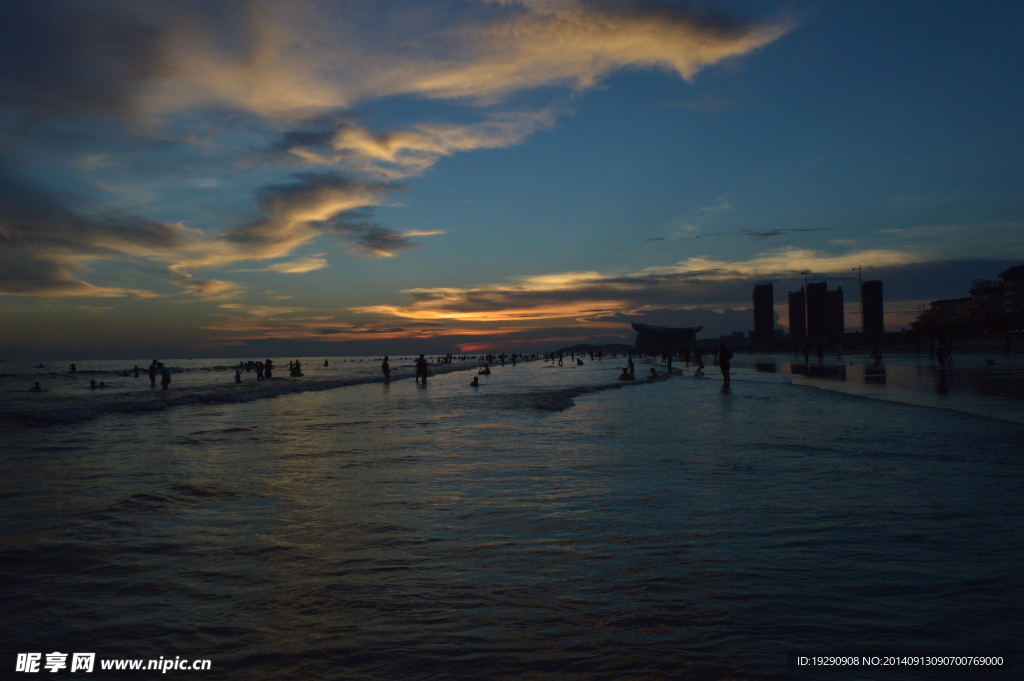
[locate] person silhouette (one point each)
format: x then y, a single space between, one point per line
725 362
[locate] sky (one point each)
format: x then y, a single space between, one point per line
214 178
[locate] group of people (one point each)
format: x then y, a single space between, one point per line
264 370
422 368
165 374
724 355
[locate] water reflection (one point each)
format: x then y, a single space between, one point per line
1000 386
978 385
831 371
875 374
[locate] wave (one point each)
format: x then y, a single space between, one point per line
552 399
64 409
159 401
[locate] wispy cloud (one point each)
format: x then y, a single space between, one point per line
768 234
722 205
405 153
288 59
48 247
300 266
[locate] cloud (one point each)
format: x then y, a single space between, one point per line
145 85
281 59
299 266
753 234
577 43
695 282
722 205
213 289
788 262
46 246
405 153
73 59
295 213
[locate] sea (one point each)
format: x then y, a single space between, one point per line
854 520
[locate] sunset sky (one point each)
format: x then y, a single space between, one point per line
248 178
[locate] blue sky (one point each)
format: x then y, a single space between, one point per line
222 179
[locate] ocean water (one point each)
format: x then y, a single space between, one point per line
554 523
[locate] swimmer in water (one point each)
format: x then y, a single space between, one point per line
421 369
36 388
475 383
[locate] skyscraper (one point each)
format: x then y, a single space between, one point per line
817 312
764 317
872 318
836 324
797 318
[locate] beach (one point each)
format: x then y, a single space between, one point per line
553 523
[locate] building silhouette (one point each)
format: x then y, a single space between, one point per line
658 339
872 318
817 312
797 317
993 307
988 301
764 317
1013 296
835 322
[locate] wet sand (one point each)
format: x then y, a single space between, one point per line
984 384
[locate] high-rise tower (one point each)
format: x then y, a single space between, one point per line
764 317
872 317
